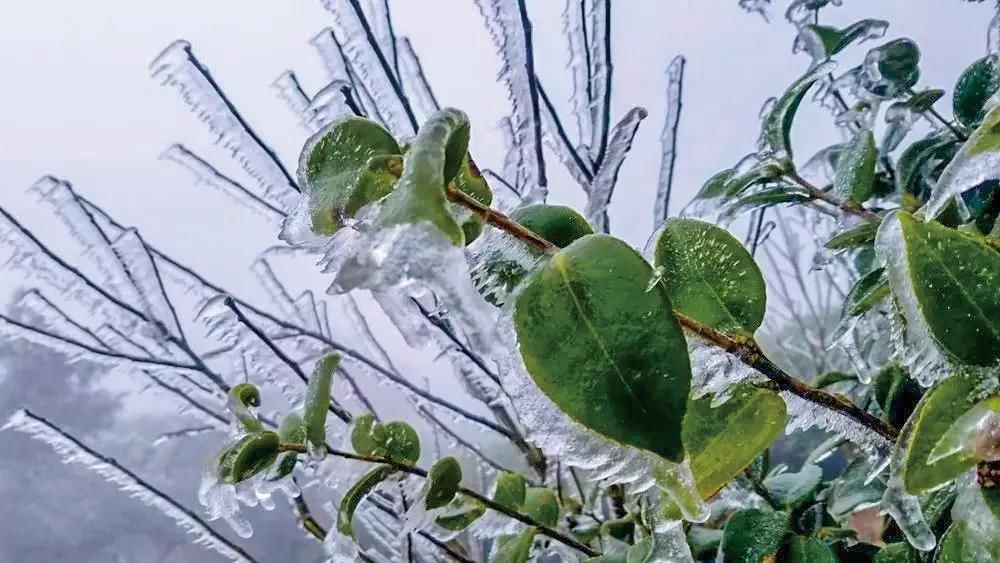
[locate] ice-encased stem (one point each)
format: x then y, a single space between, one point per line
606 177
668 140
75 451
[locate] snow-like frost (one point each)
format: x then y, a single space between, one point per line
177 66
73 451
290 91
411 75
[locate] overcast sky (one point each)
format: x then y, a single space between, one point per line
78 101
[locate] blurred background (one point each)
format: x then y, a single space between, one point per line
78 103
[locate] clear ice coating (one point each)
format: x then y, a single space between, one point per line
976 433
668 139
178 67
915 348
603 186
669 542
506 27
678 482
976 162
981 522
73 451
993 34
901 505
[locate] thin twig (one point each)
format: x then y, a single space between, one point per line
501 221
845 206
489 503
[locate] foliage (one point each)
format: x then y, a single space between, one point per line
638 379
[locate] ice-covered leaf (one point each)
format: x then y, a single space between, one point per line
961 544
935 414
241 398
892 68
470 181
803 549
292 429
976 89
765 198
976 162
722 440
900 552
791 490
634 389
823 41
460 514
975 434
855 174
754 535
510 490
317 401
704 541
444 478
915 159
398 441
357 493
946 280
345 166
431 162
362 439
862 234
852 491
514 549
251 455
896 393
710 276
542 505
777 128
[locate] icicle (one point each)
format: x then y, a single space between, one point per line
205 173
803 414
54 319
668 139
372 66
178 67
981 522
901 505
606 177
716 372
761 7
915 347
678 482
669 540
415 84
73 451
511 35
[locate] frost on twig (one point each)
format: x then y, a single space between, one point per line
74 451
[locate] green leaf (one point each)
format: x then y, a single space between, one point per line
710 276
791 490
292 429
952 279
914 159
639 552
831 377
963 543
443 481
850 492
241 398
253 454
777 126
892 68
752 535
362 438
857 236
703 541
868 291
317 401
803 549
398 441
357 493
765 198
510 490
716 186
514 549
897 553
542 505
855 173
624 371
620 528
896 394
431 162
762 172
940 407
607 558
460 514
974 434
924 100
350 163
975 87
822 41
471 182
723 440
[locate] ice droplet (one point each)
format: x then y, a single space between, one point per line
678 482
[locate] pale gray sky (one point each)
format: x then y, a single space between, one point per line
78 101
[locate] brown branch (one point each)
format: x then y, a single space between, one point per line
402 467
745 349
845 206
